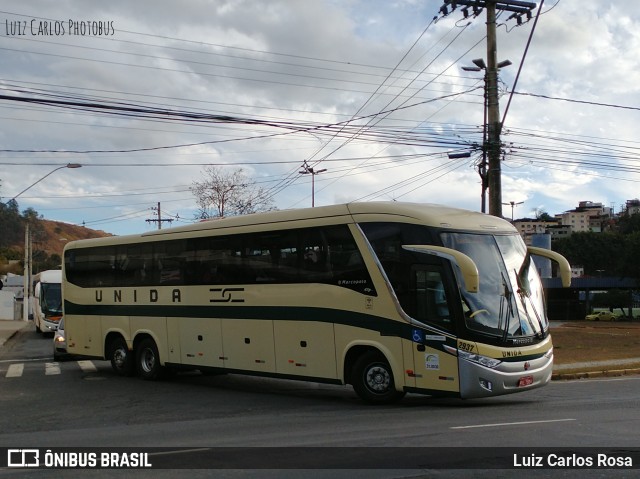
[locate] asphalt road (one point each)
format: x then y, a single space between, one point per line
77 404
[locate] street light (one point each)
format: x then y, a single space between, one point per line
482 168
480 65
68 165
310 171
27 245
513 204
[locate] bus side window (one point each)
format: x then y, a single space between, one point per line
169 262
91 267
430 297
314 259
314 267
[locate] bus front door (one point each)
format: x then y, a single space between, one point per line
434 368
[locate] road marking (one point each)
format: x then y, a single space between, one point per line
15 370
511 423
24 360
87 366
51 369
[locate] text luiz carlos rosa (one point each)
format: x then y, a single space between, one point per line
571 460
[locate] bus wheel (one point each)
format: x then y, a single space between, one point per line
121 358
148 360
373 379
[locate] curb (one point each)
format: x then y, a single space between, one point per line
595 374
7 338
7 333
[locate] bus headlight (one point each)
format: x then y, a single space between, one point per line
477 358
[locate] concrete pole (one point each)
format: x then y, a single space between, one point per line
27 273
493 114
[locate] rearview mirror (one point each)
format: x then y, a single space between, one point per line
563 265
467 265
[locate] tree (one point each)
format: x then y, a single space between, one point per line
31 215
542 215
11 227
597 252
221 194
628 260
628 224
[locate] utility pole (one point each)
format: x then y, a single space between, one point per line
493 116
493 143
26 296
159 219
482 167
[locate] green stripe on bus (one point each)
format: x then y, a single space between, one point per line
384 326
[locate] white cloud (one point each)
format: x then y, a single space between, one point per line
317 62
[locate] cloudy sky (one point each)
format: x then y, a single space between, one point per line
370 90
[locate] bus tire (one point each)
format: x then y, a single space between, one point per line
372 379
148 360
121 358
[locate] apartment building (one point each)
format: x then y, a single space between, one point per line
633 207
528 227
588 216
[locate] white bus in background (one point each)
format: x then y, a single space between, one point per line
46 300
388 297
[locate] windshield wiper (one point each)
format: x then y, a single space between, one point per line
524 291
506 295
522 277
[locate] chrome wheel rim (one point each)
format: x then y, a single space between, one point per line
148 360
378 379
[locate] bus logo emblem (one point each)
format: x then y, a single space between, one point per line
225 295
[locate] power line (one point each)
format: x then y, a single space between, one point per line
209 64
134 111
257 54
584 102
293 175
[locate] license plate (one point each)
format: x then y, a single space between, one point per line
525 381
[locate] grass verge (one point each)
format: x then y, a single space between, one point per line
585 341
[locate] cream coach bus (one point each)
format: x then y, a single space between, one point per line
388 297
46 300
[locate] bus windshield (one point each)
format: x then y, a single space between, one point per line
509 303
51 299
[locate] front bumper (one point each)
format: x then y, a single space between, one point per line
49 325
477 381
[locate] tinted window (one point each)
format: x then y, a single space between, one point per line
387 240
313 255
429 298
417 279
